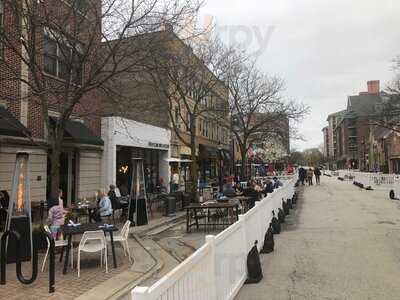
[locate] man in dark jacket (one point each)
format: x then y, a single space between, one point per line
317 173
302 175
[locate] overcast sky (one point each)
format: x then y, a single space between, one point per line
324 50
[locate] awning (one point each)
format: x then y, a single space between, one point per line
177 160
210 152
11 126
77 132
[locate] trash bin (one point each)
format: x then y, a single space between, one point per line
179 200
170 206
186 197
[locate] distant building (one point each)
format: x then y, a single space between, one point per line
333 120
325 132
349 131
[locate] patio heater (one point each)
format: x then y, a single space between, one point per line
19 210
138 211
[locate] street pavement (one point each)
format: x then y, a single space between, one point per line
340 243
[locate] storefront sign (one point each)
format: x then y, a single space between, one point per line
158 145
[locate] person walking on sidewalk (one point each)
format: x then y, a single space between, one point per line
310 175
317 173
302 175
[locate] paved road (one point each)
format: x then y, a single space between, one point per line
341 243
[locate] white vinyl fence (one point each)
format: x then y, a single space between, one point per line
218 269
375 180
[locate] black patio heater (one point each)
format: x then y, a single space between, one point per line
138 213
19 210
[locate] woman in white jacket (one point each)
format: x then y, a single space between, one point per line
105 208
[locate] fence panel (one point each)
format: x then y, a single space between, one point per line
218 269
230 260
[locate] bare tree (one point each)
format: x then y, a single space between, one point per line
387 112
188 75
58 45
259 111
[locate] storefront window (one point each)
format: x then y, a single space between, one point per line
150 163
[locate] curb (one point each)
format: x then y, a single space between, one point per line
124 293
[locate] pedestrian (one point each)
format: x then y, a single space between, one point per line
310 174
175 182
302 175
277 183
317 173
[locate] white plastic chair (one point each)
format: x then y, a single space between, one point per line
57 243
93 241
123 238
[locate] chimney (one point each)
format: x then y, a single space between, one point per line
373 87
166 26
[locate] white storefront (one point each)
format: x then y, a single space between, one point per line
119 132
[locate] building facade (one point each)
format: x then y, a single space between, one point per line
146 107
22 119
354 142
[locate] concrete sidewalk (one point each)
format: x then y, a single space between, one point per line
340 243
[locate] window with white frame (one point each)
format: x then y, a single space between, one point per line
61 58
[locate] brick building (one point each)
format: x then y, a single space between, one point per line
351 130
22 126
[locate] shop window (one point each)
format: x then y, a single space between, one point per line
61 59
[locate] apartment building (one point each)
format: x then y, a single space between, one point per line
349 145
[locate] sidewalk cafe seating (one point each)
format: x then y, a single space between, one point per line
93 241
123 239
58 244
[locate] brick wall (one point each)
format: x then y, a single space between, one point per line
9 66
10 84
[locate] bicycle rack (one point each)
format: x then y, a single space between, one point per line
3 254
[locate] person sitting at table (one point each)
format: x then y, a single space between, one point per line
55 217
105 207
252 193
277 182
115 203
268 187
228 190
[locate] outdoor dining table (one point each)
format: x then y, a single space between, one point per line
195 207
68 231
245 201
90 208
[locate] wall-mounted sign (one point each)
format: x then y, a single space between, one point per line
158 145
